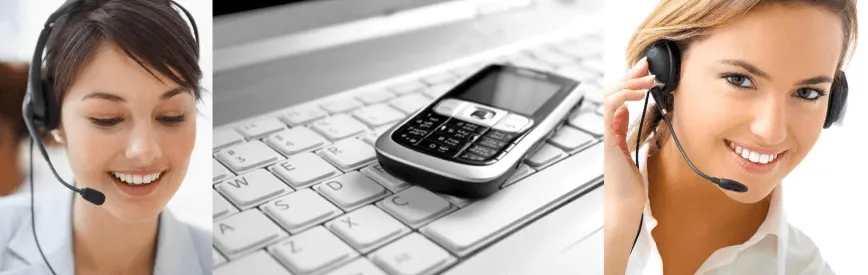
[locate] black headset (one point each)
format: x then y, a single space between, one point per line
664 61
41 110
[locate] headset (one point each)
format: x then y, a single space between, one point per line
41 110
664 62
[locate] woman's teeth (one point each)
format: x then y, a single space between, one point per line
752 156
137 179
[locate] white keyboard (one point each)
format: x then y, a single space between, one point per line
299 191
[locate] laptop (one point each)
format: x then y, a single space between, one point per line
292 80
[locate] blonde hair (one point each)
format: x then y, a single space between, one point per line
686 21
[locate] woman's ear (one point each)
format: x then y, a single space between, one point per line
58 136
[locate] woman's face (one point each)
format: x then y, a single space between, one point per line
760 83
128 134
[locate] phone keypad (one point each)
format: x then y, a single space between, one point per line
456 139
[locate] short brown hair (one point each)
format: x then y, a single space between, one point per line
150 32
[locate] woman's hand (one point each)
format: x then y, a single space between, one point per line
624 191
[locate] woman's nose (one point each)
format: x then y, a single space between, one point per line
144 145
770 120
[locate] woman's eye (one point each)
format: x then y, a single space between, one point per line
106 122
171 120
809 94
740 81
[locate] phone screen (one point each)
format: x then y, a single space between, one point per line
511 91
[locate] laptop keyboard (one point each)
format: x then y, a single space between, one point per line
301 192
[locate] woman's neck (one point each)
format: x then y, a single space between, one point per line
102 244
695 218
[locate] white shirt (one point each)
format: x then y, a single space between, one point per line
181 249
776 247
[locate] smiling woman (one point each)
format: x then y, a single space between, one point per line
125 77
753 84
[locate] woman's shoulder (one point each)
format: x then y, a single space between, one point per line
186 240
803 255
13 211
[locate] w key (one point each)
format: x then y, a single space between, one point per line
250 189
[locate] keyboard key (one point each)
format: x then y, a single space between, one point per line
225 138
588 121
295 140
341 105
457 201
407 87
304 169
510 207
415 206
302 115
552 57
351 190
439 77
438 90
359 266
412 254
370 138
312 251
220 172
593 91
578 73
222 208
253 188
582 48
339 127
375 171
383 129
378 115
570 139
410 103
367 228
216 258
522 172
531 63
261 128
300 210
244 231
545 156
257 262
349 154
248 156
594 64
375 97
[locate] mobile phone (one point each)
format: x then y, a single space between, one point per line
468 141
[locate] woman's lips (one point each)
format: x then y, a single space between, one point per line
140 190
754 167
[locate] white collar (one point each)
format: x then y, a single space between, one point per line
775 223
176 247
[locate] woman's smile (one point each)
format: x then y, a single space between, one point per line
754 159
138 183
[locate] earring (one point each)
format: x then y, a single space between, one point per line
58 136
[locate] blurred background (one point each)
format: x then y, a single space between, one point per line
20 24
825 195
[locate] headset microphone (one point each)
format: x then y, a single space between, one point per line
90 195
727 184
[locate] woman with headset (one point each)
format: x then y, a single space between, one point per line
742 90
118 89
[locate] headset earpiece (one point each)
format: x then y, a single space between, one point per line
51 118
664 61
837 100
